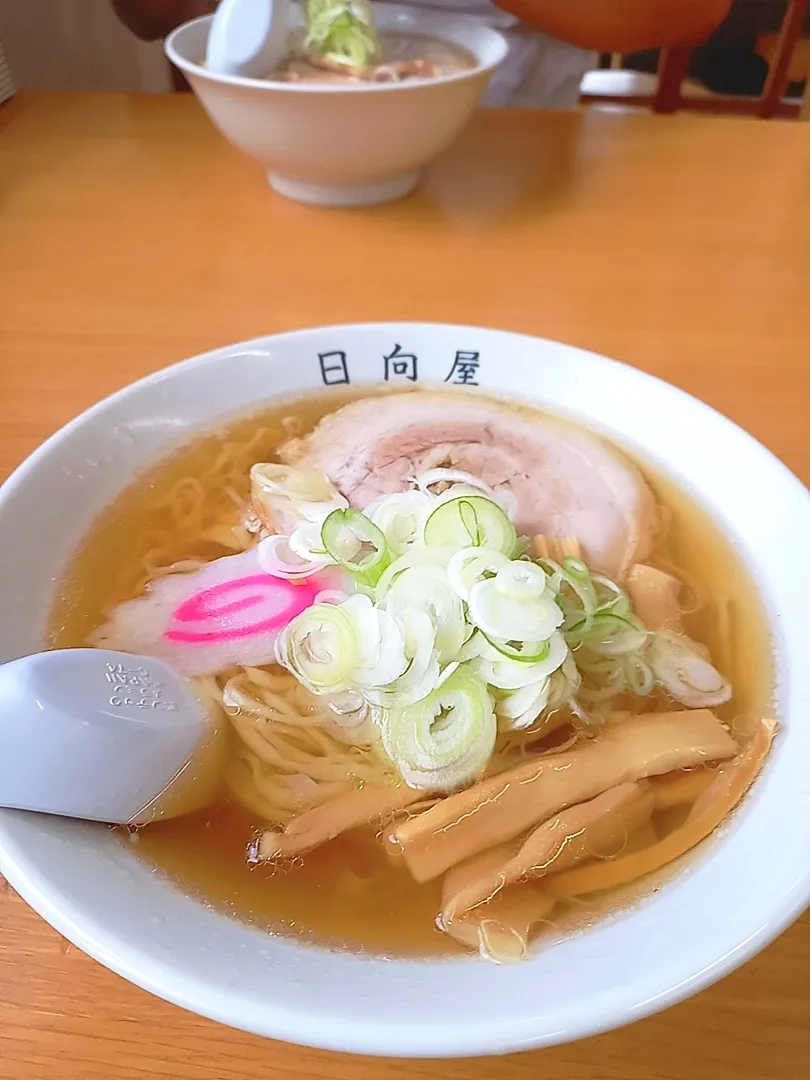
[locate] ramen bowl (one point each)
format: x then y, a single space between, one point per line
744 886
352 144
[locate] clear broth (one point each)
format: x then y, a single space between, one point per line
445 57
350 893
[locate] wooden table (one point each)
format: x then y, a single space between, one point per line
131 236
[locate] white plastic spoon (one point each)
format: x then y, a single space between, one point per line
248 37
105 736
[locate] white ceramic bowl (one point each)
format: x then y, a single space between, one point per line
350 145
747 886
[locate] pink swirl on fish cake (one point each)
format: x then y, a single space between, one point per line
213 605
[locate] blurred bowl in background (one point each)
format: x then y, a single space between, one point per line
346 144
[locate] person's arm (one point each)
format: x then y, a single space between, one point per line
153 19
625 26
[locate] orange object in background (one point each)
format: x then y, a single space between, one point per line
609 26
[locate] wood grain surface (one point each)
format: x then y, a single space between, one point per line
132 236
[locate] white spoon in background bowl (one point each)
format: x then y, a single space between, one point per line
248 37
105 736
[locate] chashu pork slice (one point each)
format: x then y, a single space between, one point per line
566 482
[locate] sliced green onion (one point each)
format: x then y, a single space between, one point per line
596 667
576 568
306 543
505 674
471 565
356 544
576 594
349 704
422 673
507 618
640 676
522 707
401 518
575 574
424 481
608 634
276 557
475 645
522 545
553 571
450 634
525 652
305 493
381 647
343 30
294 483
427 589
610 596
419 556
443 742
317 512
321 648
565 683
609 677
521 580
684 673
470 521
509 674
331 596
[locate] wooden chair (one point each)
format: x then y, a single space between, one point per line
674 65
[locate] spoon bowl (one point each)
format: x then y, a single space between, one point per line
248 37
105 736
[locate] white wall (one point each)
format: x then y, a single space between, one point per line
77 45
